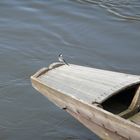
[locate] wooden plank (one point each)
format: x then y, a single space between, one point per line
136 100
136 118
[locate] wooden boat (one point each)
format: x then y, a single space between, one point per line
106 102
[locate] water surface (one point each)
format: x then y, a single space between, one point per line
96 33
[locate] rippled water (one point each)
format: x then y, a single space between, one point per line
97 33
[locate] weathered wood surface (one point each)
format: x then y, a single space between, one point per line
135 118
60 85
136 100
99 130
87 84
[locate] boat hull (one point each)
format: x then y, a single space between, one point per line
103 123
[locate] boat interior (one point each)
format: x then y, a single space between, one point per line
125 103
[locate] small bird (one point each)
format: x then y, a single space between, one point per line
61 59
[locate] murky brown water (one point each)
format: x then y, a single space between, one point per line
97 33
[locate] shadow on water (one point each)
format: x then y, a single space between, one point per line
101 34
